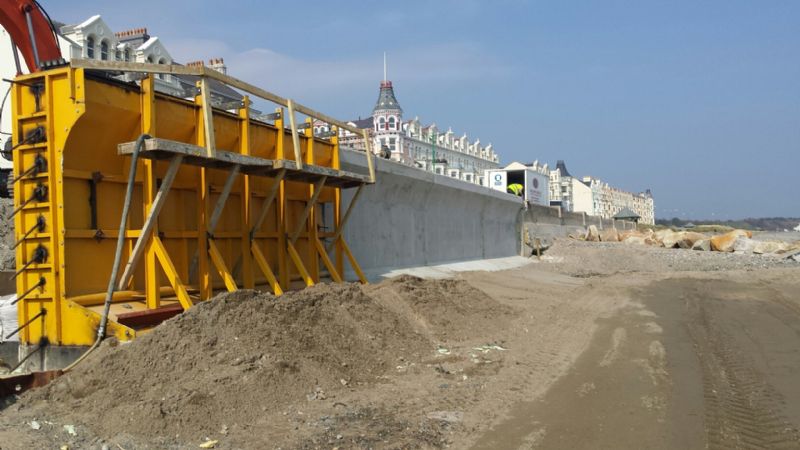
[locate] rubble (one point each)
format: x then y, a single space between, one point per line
735 241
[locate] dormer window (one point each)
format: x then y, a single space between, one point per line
381 123
104 50
90 47
127 54
391 123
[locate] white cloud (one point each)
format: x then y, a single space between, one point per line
308 78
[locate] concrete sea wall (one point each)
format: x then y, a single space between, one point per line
413 218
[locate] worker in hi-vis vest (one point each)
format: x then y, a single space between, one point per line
516 189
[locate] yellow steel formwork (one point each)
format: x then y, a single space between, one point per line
235 205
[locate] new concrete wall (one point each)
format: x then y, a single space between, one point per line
410 217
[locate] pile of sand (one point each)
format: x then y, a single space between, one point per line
244 354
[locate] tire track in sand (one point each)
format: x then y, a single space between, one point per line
742 410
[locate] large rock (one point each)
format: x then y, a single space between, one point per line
592 234
609 235
744 245
725 242
661 234
688 238
679 239
763 247
702 245
635 240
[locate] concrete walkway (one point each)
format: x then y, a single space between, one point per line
448 270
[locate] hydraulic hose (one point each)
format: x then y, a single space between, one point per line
112 282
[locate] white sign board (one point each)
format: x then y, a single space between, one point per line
498 180
537 188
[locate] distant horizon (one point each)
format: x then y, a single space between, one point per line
698 102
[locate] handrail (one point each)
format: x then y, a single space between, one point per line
203 71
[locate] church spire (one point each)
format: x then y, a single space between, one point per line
386 98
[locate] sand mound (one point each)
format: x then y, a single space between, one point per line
246 354
230 359
441 309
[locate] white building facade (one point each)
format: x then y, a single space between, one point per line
595 197
411 143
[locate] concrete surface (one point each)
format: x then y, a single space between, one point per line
448 270
412 218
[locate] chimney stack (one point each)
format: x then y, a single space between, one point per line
218 64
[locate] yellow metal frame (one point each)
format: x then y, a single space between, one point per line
198 228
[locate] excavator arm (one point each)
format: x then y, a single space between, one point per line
31 32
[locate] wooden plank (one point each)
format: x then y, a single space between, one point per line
298 153
152 218
208 118
368 150
149 317
273 191
223 198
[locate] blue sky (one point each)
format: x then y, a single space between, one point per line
698 101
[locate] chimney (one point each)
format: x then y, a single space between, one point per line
218 64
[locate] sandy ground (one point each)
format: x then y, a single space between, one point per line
596 346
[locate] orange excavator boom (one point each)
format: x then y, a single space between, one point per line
31 31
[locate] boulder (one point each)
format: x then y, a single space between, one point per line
609 235
680 239
670 238
743 245
660 234
725 242
702 245
762 247
628 233
592 234
636 240
688 238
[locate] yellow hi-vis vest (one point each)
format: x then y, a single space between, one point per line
515 189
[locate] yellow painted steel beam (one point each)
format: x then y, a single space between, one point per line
262 263
353 262
327 261
298 263
172 274
246 198
219 263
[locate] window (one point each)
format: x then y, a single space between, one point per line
392 143
90 47
127 54
150 59
438 170
381 123
104 50
118 55
391 123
